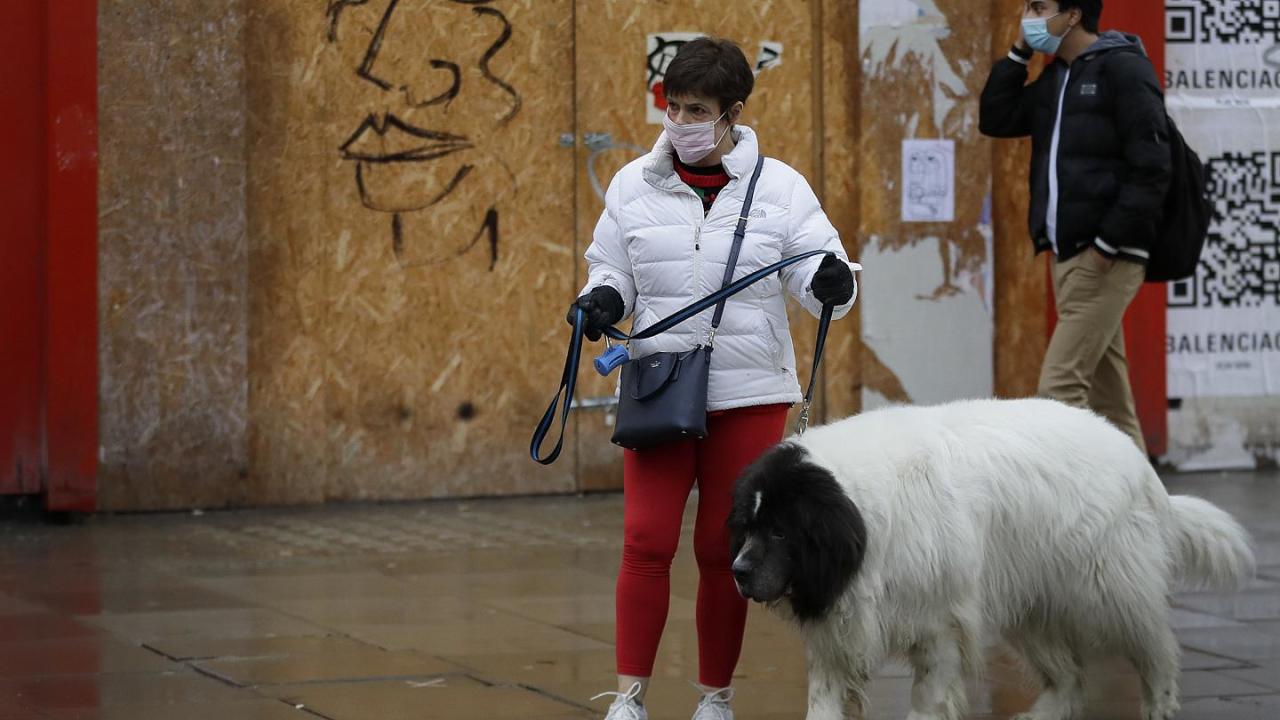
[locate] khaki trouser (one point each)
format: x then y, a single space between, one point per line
1085 365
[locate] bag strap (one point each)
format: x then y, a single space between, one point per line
736 249
714 298
569 377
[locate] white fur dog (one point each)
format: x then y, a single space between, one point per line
926 531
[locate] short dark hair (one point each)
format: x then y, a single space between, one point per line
712 67
1090 12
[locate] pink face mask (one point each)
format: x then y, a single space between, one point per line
695 140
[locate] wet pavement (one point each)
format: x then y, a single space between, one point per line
482 609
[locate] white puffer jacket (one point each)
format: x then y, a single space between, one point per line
655 247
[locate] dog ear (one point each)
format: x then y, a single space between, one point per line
750 481
828 544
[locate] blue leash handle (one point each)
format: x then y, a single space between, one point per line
569 377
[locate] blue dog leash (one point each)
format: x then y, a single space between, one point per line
569 377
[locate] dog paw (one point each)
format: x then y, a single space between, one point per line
1163 711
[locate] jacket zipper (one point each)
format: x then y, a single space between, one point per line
704 326
697 263
1051 229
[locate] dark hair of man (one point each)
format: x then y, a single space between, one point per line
1090 12
710 67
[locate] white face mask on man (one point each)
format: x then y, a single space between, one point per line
694 141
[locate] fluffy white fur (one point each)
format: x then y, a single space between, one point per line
1024 520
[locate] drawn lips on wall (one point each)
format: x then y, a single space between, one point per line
394 141
433 57
398 141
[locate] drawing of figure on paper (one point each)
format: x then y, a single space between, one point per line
927 185
928 177
431 103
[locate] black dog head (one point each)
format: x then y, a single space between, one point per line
795 533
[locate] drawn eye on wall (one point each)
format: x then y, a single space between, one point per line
428 157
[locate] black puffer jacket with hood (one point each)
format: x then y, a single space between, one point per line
1111 145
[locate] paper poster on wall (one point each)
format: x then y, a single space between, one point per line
928 180
1223 77
660 48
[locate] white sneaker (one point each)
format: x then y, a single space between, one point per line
715 705
626 707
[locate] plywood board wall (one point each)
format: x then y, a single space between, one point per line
338 238
1021 279
839 111
410 245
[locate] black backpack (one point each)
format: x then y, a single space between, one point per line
1184 224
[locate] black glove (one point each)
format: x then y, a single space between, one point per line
602 306
833 283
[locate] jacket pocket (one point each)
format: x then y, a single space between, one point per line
772 346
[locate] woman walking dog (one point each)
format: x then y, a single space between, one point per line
663 242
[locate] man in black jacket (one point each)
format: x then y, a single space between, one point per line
1100 168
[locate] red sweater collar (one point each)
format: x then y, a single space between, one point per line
709 177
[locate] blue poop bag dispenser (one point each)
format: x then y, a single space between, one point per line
612 357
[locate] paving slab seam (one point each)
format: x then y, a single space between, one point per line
1240 664
552 696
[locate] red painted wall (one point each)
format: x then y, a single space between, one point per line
48 259
22 205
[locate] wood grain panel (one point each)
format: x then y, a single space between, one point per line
1021 281
411 224
840 103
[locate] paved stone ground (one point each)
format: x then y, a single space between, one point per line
482 609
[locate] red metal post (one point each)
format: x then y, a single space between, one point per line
71 269
1144 324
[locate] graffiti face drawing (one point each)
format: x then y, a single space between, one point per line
423 146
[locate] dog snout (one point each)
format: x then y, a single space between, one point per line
741 569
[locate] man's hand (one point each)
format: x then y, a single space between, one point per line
1021 42
1100 261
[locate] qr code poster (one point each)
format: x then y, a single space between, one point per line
1222 82
1222 51
660 48
1224 321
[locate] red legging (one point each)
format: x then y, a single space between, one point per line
656 485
